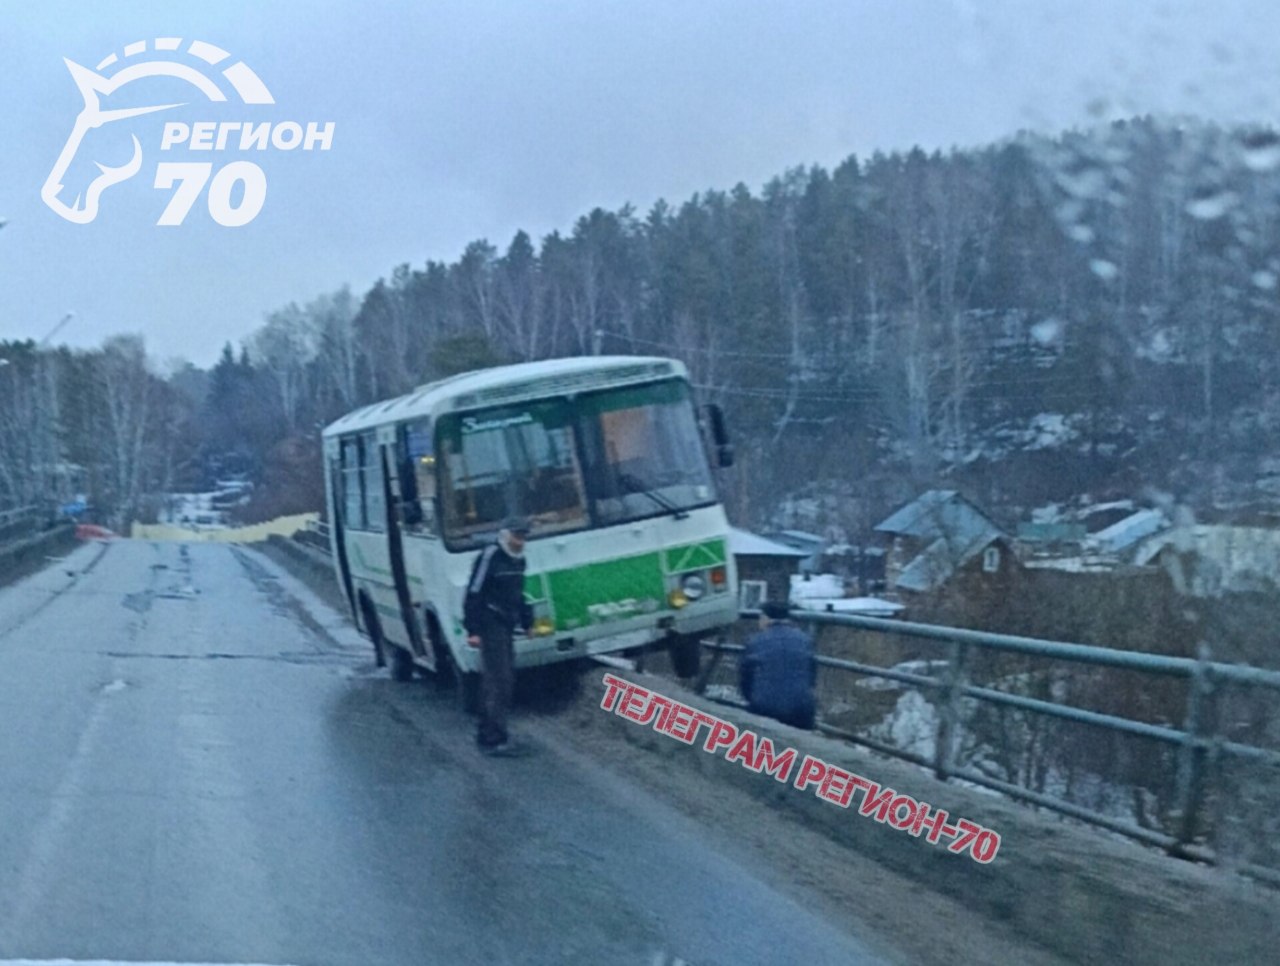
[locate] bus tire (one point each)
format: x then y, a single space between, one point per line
373 629
686 655
444 673
401 663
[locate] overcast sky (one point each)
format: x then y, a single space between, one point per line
456 121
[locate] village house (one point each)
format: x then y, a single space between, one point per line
764 567
937 537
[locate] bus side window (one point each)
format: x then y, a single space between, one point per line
419 475
375 504
352 500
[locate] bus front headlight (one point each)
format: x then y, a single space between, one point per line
693 585
543 623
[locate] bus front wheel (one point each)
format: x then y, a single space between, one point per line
686 655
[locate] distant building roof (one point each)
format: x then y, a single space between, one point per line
940 514
1125 533
1056 531
744 543
799 539
917 513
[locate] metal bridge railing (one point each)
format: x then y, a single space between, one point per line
9 517
1197 745
18 523
1195 742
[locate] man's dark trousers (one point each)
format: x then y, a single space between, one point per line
497 682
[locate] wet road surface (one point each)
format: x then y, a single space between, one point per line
199 762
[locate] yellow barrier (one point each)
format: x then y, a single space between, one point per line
281 526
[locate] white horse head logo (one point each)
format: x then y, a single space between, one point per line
96 88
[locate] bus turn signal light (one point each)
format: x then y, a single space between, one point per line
677 598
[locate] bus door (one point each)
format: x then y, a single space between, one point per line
338 526
401 502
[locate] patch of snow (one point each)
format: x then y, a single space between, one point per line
1211 205
1049 513
1104 269
1047 332
926 668
866 606
912 726
1091 564
816 586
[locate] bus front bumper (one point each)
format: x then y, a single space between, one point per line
536 651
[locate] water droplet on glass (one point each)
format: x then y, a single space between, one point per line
1104 269
1211 204
1083 180
1047 331
1069 211
1261 150
1265 280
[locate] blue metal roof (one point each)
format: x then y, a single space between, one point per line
940 513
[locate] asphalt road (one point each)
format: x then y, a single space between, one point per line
199 763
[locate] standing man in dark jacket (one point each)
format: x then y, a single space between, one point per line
778 672
494 608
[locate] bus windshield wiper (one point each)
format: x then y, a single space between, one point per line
632 485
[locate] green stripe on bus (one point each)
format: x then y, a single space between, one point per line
598 593
695 556
614 588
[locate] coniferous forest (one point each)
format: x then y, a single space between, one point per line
1094 313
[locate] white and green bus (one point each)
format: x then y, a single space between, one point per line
605 457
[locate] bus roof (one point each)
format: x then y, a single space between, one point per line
491 387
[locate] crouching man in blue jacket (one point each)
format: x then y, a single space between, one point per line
778 672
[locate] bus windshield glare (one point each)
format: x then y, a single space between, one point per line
599 459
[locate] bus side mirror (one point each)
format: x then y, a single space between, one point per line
719 435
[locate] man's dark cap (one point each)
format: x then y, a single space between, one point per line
519 526
776 610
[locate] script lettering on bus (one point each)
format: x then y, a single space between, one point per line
470 424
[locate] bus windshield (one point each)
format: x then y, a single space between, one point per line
643 454
599 459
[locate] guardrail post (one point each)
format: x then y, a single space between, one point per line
1188 788
949 716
